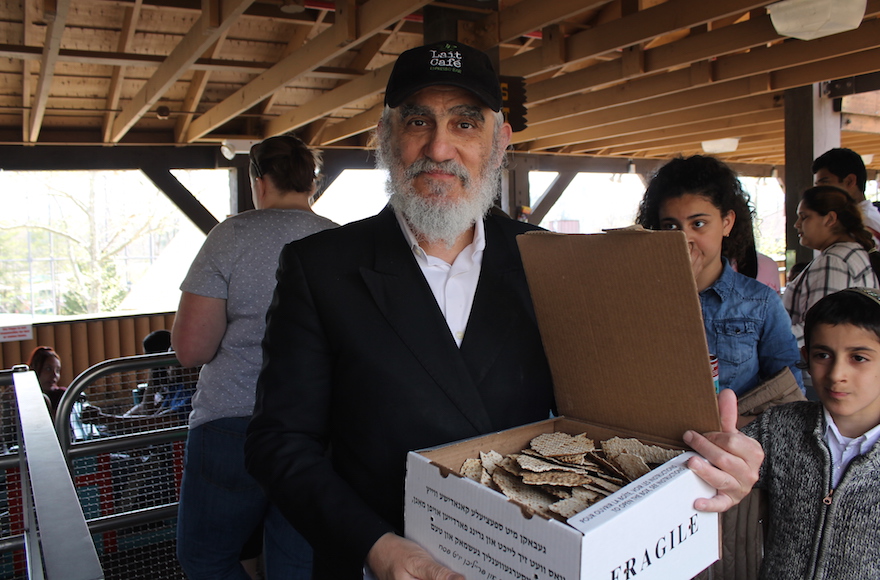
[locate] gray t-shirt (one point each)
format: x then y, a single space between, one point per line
237 263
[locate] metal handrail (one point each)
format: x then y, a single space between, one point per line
94 373
58 539
106 444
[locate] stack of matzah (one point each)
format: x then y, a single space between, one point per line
560 475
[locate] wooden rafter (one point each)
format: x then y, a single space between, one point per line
51 46
369 84
296 41
206 30
194 93
126 36
351 27
723 81
630 30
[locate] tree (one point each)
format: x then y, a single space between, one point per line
70 240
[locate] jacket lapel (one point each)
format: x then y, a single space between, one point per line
401 293
493 315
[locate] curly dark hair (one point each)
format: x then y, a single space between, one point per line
714 180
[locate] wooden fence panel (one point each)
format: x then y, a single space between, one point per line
83 343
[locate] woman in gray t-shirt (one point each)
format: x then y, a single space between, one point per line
219 324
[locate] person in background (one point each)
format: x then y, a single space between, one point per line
768 272
47 364
794 272
746 326
169 390
823 459
844 168
219 324
165 401
413 328
829 221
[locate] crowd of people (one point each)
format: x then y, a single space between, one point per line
413 328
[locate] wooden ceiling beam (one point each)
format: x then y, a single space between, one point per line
51 46
370 18
558 131
299 38
680 131
860 123
360 123
205 32
684 52
687 134
726 68
194 93
629 30
531 15
648 119
126 36
339 96
32 53
29 10
372 83
798 52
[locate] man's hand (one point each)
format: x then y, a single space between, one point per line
733 459
396 558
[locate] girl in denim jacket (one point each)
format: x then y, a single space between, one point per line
746 326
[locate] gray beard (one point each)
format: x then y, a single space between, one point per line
437 218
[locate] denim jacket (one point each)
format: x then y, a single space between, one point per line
749 331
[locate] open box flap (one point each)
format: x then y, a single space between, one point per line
622 327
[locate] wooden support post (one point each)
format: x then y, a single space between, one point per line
811 128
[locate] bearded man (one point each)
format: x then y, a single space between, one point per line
410 329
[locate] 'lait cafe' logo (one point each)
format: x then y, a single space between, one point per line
445 59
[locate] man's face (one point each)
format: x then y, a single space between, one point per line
445 124
442 151
825 177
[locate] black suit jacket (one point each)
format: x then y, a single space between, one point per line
359 359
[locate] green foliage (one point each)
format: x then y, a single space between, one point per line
63 254
84 299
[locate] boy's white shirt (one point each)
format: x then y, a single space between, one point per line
845 449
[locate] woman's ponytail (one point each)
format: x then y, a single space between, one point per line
824 199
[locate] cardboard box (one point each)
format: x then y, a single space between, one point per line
621 324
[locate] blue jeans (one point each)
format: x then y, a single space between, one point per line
221 505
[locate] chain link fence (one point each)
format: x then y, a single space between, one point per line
122 425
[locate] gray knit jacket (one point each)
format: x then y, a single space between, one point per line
808 539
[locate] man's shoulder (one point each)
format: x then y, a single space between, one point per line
511 226
352 230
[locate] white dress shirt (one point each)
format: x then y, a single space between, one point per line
453 285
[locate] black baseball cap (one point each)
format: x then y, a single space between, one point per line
444 63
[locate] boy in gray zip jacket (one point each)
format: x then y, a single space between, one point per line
822 464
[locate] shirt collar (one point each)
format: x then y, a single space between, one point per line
723 286
475 247
864 441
